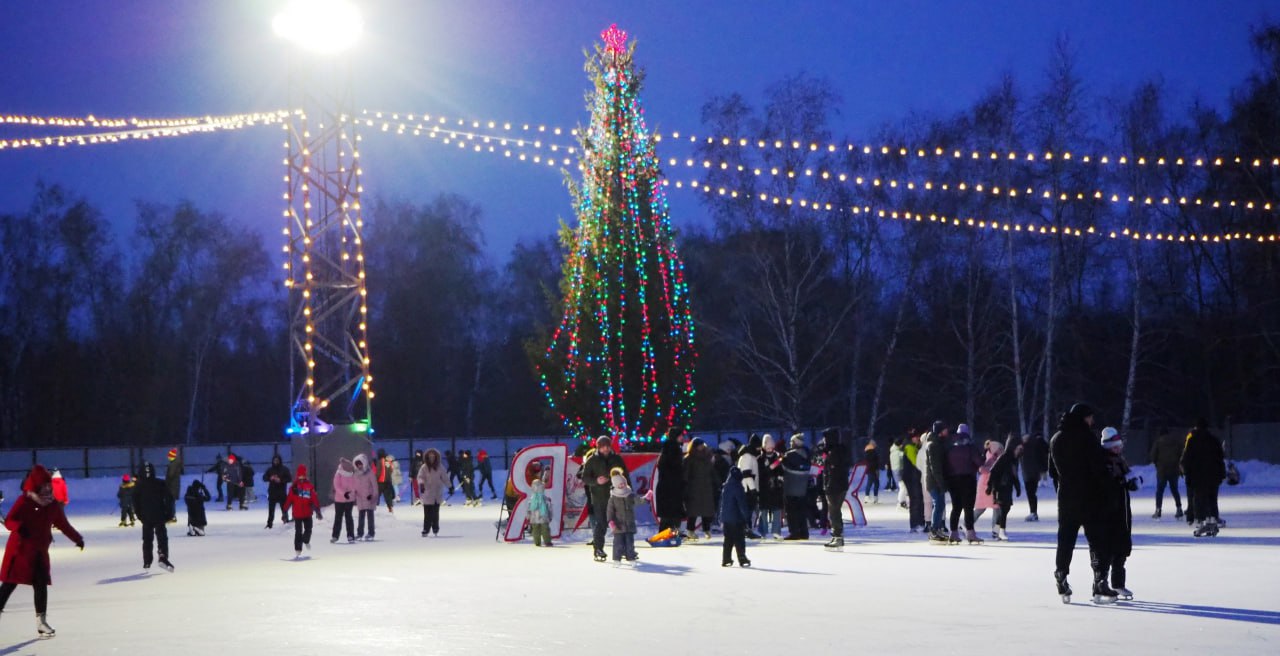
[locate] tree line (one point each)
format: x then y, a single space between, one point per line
806 316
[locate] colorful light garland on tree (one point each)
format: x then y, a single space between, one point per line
622 360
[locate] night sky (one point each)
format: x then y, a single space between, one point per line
522 62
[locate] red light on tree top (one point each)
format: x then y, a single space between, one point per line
614 39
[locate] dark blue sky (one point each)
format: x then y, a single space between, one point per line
522 61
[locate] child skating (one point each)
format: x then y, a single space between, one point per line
195 497
621 515
301 503
539 514
1121 480
124 495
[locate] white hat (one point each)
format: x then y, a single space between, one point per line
1111 438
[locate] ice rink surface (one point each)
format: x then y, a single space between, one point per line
239 590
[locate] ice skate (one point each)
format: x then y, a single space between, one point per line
1064 588
426 533
297 555
1178 515
1156 514
164 562
836 544
1206 529
599 555
744 563
42 627
938 537
333 540
972 537
727 563
306 545
1001 536
351 540
706 535
1103 594
777 536
1033 517
1124 593
122 524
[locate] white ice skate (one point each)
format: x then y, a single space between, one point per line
43 630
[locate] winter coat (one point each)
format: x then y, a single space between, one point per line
397 477
151 499
432 482
1202 459
668 491
233 474
872 457
749 464
1035 458
1166 453
1116 508
963 458
1076 462
772 480
195 498
895 458
173 476
733 500
621 510
699 485
451 462
59 485
933 455
795 472
344 482
365 484
1003 477
125 496
539 505
836 468
985 500
302 500
279 488
593 468
466 468
485 466
26 554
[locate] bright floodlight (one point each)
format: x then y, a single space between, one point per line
325 27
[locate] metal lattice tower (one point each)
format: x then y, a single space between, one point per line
325 273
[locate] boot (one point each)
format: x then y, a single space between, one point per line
1064 588
1178 515
972 536
1156 515
836 544
42 627
1001 535
1102 593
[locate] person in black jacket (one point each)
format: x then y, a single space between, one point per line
219 471
1077 465
277 478
595 475
668 491
1003 482
451 465
795 487
1035 462
871 454
1204 467
835 481
196 496
154 505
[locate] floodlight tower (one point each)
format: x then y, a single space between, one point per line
324 255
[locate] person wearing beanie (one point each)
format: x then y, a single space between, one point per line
195 498
539 514
772 483
1204 467
1077 466
748 461
871 456
173 476
26 553
277 479
234 478
795 484
429 485
668 482
485 466
699 489
302 502
60 488
366 493
836 466
1117 513
735 513
124 495
596 472
961 467
1166 453
620 513
1035 465
155 508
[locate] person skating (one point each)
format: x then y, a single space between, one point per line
539 514
1034 463
772 498
895 466
749 464
961 468
429 485
366 491
195 498
871 456
795 473
467 477
451 461
912 480
246 475
30 522
124 495
384 475
415 464
1003 482
1078 469
596 473
219 471
668 491
154 505
397 477
234 478
985 500
699 488
1165 454
933 454
1121 481
620 513
344 499
1204 467
277 479
173 477
302 501
735 514
485 468
836 460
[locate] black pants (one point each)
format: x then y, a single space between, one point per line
1118 574
1172 482
835 504
1069 525
157 532
431 518
302 532
126 511
41 592
453 479
693 521
889 483
486 478
599 521
341 517
798 517
735 539
964 492
272 502
1204 500
388 493
915 497
360 524
218 485
235 493
1030 484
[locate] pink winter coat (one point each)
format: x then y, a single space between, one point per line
366 484
432 483
344 482
984 500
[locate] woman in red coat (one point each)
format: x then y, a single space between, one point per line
26 555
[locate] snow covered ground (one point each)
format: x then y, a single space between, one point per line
239 590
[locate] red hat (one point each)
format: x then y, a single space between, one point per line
37 479
231 458
125 478
173 453
302 471
483 454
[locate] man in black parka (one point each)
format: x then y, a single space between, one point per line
154 506
835 481
277 478
1077 465
595 475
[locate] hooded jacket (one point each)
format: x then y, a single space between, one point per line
432 482
1077 466
699 481
795 472
344 482
963 459
302 500
366 484
749 464
668 492
733 500
195 498
30 524
1202 458
277 489
151 499
934 456
836 463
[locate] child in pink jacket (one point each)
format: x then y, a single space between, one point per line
344 499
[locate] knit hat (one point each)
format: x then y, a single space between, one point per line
937 427
619 481
962 428
768 441
57 473
37 479
797 440
604 440
124 479
173 454
302 471
231 458
1081 410
727 447
1111 438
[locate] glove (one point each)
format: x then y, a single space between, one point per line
368 497
346 495
23 532
319 517
80 544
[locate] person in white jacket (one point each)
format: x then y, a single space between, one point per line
895 465
749 463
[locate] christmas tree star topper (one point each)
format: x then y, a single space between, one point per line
614 39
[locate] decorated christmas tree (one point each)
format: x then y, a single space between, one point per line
621 362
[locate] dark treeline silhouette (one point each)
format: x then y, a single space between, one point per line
806 315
